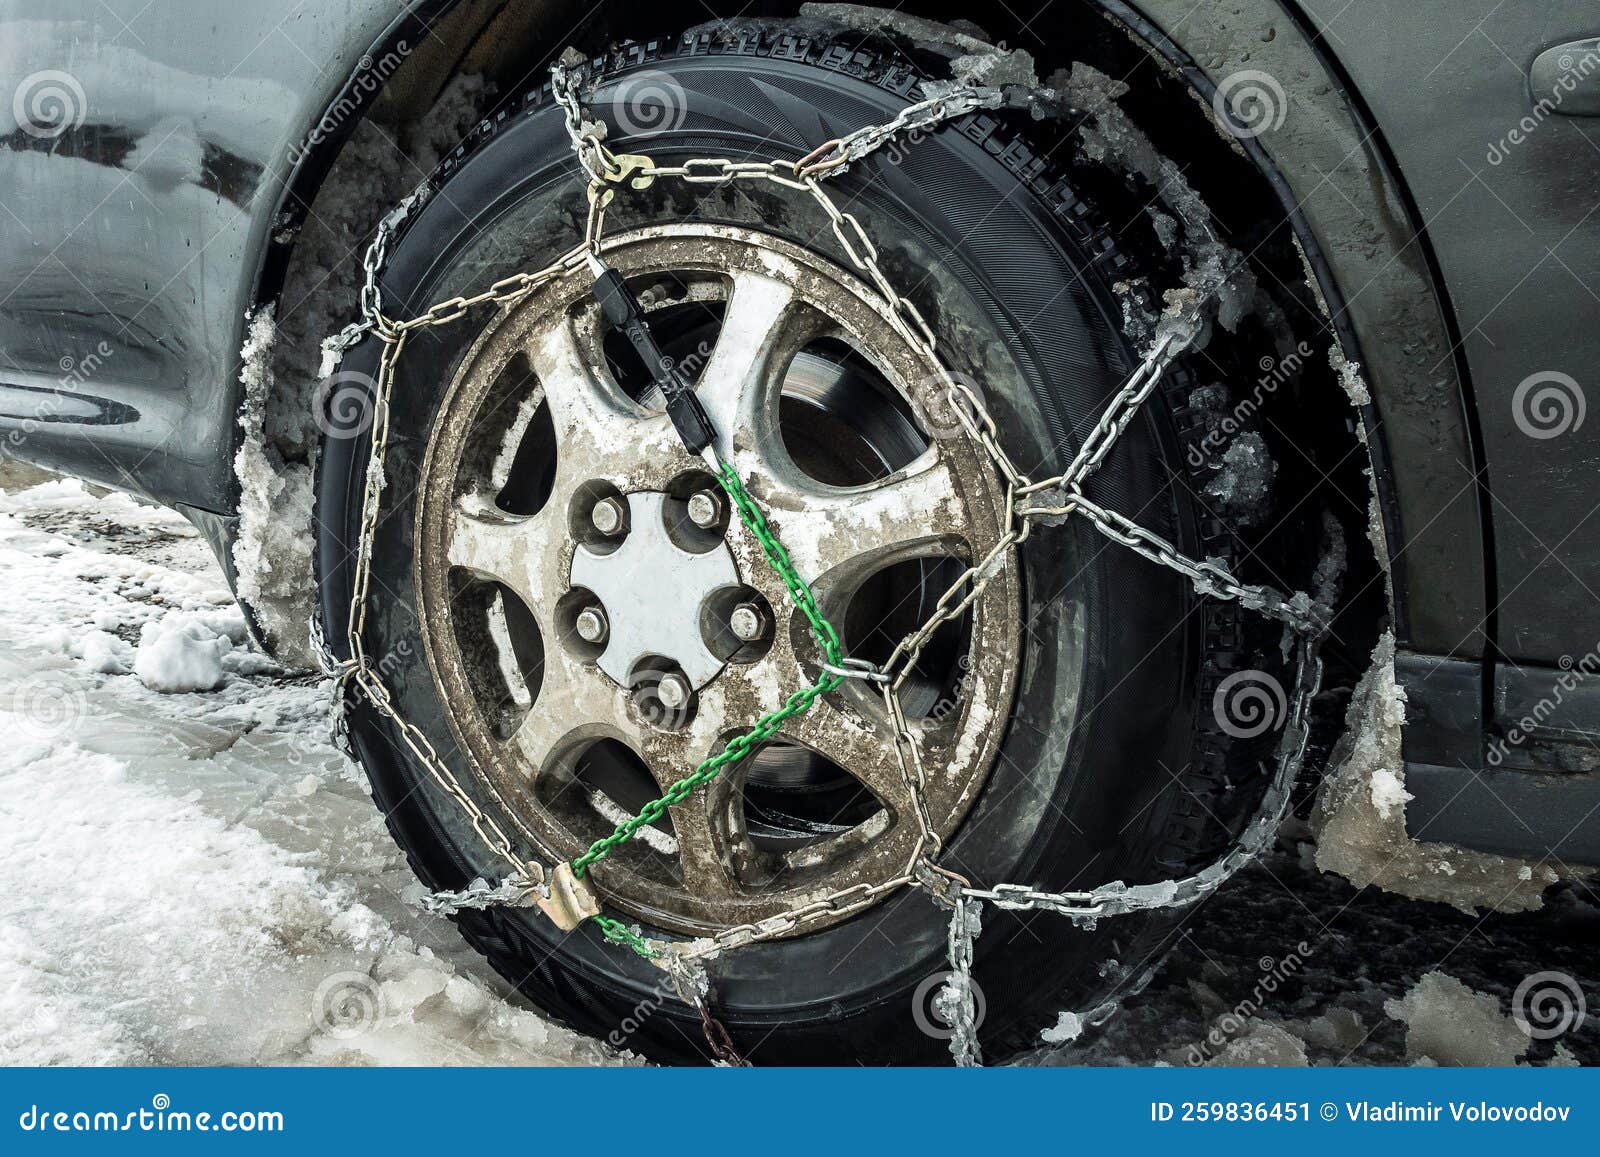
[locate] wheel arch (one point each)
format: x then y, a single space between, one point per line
1353 219
1367 251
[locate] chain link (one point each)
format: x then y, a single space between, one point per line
960 1002
1027 504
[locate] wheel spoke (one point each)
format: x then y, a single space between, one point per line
700 852
698 820
586 407
497 547
574 702
860 746
739 385
847 534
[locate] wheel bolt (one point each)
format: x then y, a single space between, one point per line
592 626
673 691
705 509
608 516
748 622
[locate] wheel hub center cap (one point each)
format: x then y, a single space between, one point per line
653 589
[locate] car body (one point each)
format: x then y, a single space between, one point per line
1438 162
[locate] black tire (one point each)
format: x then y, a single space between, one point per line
1112 763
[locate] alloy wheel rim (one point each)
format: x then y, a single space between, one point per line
571 726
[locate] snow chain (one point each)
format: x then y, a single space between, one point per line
563 892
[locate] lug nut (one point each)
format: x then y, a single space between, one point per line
705 509
748 622
673 691
592 626
608 516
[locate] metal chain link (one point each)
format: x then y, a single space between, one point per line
958 999
1028 503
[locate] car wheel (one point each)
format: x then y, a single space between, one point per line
566 610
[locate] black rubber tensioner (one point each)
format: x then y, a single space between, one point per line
623 311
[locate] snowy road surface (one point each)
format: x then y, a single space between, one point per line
191 874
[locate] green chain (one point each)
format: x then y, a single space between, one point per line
765 728
619 933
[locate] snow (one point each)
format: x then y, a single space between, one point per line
1108 135
282 356
181 652
1448 1023
1242 487
1350 379
273 548
1264 1044
1389 793
199 877
1359 819
103 653
1068 1028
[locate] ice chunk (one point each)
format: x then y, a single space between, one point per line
1359 819
1389 793
1264 1044
1448 1023
1068 1028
